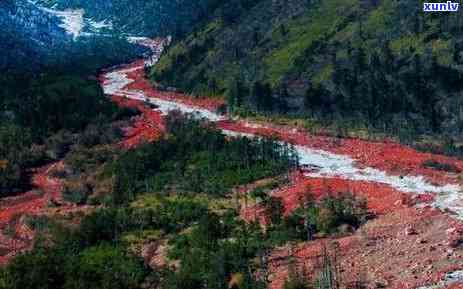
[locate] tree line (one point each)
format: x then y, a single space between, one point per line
196 157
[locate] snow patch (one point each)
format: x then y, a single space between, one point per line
137 39
101 24
72 21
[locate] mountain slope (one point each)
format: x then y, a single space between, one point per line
34 39
382 64
26 33
139 17
38 34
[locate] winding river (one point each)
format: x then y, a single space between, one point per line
325 164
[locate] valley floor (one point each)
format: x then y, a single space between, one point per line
414 240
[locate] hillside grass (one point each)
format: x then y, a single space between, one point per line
303 32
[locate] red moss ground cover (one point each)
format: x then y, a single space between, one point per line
381 199
141 83
398 159
142 130
407 248
147 127
13 210
47 188
394 158
386 155
403 247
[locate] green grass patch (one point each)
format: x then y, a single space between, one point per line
303 32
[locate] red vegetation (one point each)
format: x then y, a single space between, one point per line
146 127
12 211
381 199
394 158
403 249
141 83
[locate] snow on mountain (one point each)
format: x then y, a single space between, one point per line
74 22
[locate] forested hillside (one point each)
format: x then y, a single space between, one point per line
142 17
178 192
34 40
384 65
49 33
42 116
275 170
